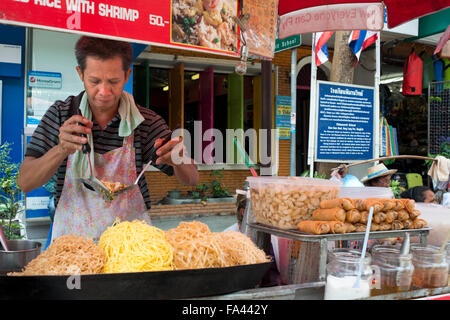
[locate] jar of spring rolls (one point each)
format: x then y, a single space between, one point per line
342 272
395 270
430 267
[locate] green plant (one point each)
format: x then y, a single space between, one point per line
396 188
9 192
444 148
316 174
200 191
214 189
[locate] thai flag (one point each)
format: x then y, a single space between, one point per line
321 49
361 39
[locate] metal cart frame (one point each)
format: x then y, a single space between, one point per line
263 231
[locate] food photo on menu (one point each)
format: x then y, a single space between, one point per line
205 23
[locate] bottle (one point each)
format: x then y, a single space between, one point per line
342 272
396 270
430 267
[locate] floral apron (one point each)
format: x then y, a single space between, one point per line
83 212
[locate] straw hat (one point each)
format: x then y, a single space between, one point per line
379 170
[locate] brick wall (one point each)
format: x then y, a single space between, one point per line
223 208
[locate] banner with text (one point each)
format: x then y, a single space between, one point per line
208 26
344 122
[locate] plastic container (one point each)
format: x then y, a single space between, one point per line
396 271
283 202
342 271
430 267
365 192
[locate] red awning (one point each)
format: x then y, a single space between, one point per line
398 11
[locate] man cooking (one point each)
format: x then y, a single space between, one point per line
123 138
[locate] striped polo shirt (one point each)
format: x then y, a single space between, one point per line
46 136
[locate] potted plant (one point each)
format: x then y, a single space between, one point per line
213 191
200 192
10 204
216 186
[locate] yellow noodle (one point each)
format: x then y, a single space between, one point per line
135 246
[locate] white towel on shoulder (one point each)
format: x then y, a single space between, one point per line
130 119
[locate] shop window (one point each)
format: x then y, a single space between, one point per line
51 73
155 96
151 94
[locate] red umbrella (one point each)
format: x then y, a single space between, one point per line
307 16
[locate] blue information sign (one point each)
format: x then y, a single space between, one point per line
283 117
344 122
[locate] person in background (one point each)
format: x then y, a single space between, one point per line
378 176
419 194
240 209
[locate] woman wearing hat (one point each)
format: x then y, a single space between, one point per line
378 176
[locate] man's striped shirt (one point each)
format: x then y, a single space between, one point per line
46 137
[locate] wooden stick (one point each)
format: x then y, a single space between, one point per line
384 158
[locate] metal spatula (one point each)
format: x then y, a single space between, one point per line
115 193
152 160
95 184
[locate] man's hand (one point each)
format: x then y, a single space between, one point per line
171 153
35 172
69 134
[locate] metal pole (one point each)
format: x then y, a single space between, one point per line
293 110
312 110
266 78
376 114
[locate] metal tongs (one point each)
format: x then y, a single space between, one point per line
93 183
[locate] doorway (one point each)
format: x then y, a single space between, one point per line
302 124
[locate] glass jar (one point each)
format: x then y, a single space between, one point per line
447 251
430 267
342 272
395 270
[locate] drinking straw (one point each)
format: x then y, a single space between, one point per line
445 242
363 253
245 156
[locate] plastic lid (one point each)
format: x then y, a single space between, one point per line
294 180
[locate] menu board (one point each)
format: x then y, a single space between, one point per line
261 27
345 122
199 25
